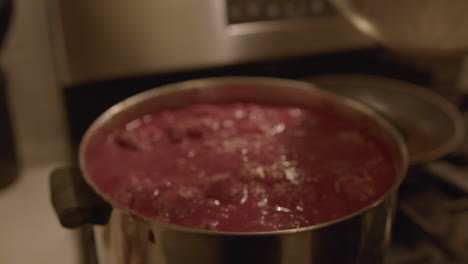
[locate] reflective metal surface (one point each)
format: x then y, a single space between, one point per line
95 40
421 27
361 239
432 125
357 238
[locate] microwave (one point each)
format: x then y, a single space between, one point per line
111 39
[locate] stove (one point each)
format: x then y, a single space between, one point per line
430 225
235 38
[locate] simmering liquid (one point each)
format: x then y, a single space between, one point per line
240 167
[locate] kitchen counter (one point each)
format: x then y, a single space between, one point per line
29 230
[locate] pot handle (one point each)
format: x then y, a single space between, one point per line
74 201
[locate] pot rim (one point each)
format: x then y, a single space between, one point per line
239 80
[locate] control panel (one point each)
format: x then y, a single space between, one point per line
167 36
244 11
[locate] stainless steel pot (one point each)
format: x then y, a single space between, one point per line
130 238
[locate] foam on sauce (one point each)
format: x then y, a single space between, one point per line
240 167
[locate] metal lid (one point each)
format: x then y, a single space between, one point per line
420 27
431 124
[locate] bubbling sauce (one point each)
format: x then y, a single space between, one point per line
240 167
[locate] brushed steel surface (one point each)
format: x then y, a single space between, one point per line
357 238
361 239
420 27
95 40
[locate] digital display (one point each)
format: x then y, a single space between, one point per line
244 11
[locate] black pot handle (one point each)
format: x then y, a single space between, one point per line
74 201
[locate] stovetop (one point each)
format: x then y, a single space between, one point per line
431 224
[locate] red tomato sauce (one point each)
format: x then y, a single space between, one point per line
241 167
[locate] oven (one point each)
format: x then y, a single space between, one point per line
106 51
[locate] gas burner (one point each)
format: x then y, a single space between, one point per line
431 224
424 253
435 213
